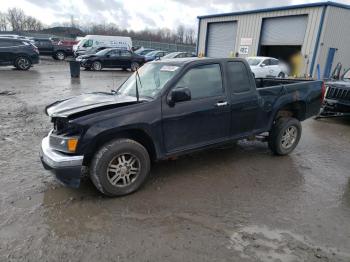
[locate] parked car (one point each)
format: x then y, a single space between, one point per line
337 99
157 54
105 41
267 67
48 48
111 58
143 51
169 108
90 51
178 55
19 53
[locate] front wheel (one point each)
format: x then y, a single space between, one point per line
281 75
23 63
60 55
284 135
120 167
135 66
96 66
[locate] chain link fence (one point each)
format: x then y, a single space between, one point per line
164 46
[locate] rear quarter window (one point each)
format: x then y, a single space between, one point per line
238 77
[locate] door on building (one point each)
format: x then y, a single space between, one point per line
221 39
282 37
329 62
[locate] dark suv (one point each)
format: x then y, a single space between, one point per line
19 53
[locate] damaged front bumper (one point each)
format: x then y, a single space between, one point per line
67 168
334 108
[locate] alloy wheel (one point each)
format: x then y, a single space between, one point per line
289 137
123 170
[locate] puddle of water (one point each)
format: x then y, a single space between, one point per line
264 244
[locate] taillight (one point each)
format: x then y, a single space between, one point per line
323 91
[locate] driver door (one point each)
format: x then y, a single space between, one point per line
112 58
203 120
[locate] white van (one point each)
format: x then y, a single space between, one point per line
102 41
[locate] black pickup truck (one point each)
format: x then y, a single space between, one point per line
169 108
48 48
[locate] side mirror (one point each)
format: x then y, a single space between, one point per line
179 94
262 65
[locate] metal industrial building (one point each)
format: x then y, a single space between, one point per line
320 31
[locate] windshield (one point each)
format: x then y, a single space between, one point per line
143 51
346 76
171 55
152 79
253 61
152 53
103 52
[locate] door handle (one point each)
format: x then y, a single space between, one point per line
220 104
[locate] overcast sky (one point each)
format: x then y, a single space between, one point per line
137 15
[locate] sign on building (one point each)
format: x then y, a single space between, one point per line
243 50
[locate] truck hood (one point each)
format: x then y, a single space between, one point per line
87 103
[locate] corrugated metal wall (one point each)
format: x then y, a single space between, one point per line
249 26
336 34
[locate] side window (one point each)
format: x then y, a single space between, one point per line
238 77
125 53
266 62
113 53
203 81
88 43
274 62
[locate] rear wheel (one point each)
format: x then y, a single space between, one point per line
96 66
135 66
60 55
23 63
284 135
281 75
120 167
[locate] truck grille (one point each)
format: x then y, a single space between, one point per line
338 93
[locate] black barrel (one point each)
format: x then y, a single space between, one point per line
74 68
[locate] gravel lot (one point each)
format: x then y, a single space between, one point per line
237 203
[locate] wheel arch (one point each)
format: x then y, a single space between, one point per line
21 55
139 135
295 109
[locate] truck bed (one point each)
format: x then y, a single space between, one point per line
269 82
274 93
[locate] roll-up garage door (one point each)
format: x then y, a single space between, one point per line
221 39
288 30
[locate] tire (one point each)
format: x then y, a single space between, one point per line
23 63
284 135
135 66
96 66
113 168
281 75
60 55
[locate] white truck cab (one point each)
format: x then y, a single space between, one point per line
102 41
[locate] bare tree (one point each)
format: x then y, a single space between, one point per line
189 36
3 22
15 17
180 31
19 21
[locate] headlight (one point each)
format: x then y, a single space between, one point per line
64 144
